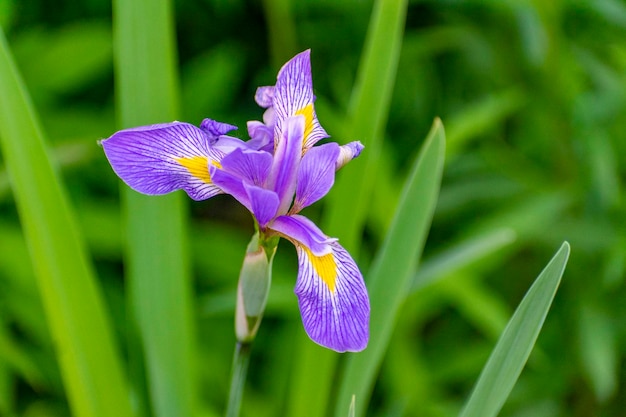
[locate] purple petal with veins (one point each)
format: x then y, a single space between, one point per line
316 175
264 96
231 184
161 158
333 299
251 166
262 136
298 228
215 128
287 156
263 204
294 95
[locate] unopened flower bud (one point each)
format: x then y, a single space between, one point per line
253 288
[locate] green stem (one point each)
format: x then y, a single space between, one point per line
241 359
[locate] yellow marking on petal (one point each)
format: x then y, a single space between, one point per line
326 268
307 112
198 166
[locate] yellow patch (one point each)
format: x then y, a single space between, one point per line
198 167
307 112
326 268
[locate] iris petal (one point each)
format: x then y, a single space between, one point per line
251 166
264 96
231 184
333 299
348 152
263 204
283 175
301 230
293 95
316 175
158 159
215 128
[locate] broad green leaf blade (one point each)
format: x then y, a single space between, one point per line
347 202
75 312
367 116
157 255
516 342
391 275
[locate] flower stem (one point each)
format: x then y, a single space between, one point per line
241 359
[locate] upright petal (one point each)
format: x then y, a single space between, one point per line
293 95
333 299
158 159
316 175
287 157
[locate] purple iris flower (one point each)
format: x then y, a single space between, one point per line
275 174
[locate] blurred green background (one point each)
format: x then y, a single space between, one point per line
533 97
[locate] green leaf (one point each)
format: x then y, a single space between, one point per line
348 200
89 361
516 342
390 278
367 116
157 251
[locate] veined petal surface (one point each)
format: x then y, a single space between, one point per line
316 175
215 128
283 175
293 95
263 204
231 184
264 96
262 136
161 158
333 299
301 230
251 166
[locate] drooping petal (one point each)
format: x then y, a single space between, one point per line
263 203
293 95
347 153
251 166
299 229
283 175
333 299
161 158
316 175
